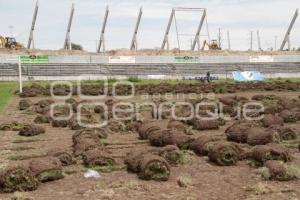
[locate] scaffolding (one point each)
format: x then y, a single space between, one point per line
196 40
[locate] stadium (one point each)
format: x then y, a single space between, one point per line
149 100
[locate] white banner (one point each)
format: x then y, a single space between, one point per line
261 59
121 59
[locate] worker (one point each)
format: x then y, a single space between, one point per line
208 77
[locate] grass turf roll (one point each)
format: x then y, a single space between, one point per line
98 158
172 154
17 179
263 153
261 136
202 144
154 168
224 153
46 169
279 171
31 130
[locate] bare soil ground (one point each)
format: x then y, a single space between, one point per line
203 179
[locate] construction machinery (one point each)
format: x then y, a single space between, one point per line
213 45
9 43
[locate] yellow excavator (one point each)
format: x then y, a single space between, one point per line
213 45
9 43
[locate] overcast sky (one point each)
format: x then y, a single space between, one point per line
270 17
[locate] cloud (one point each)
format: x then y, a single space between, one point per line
270 17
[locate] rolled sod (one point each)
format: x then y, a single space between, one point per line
202 144
263 153
289 116
224 153
279 171
270 120
46 169
154 168
146 129
17 179
64 157
42 119
24 104
31 130
172 154
285 133
177 125
261 136
237 132
170 137
205 124
98 158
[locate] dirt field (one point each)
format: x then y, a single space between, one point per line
148 52
195 178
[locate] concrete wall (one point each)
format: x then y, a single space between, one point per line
6 58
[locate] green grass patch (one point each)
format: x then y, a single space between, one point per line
7 89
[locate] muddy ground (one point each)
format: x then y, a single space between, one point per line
204 180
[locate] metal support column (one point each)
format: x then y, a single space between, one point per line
102 36
67 43
197 36
134 44
166 37
288 33
30 40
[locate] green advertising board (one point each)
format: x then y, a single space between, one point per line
187 59
34 59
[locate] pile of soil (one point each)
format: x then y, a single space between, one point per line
163 138
285 133
279 171
98 158
202 125
261 136
202 144
31 130
14 126
224 153
18 178
148 166
270 120
263 153
46 169
24 104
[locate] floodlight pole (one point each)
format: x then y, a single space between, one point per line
134 44
258 41
67 43
33 25
228 40
288 33
166 37
20 74
102 38
197 37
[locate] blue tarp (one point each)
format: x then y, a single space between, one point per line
248 76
